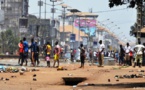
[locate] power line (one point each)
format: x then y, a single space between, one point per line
111 10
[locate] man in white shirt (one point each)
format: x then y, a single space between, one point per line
139 49
101 53
127 50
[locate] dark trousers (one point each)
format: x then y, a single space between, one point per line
82 61
121 59
36 58
21 58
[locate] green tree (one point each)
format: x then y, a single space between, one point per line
8 41
132 3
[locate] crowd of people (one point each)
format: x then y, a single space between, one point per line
126 56
34 49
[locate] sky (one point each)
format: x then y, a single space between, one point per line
121 16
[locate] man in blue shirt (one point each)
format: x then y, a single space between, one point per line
26 48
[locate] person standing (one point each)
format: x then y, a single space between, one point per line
127 50
139 49
91 56
121 55
32 47
21 52
36 54
48 52
56 54
72 55
101 53
26 48
82 55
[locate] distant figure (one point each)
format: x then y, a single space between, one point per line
26 48
101 53
36 54
82 55
139 49
127 50
78 54
72 55
48 50
32 47
21 51
121 55
91 56
56 54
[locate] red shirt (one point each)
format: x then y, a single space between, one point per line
21 48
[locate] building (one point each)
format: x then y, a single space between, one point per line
84 22
13 10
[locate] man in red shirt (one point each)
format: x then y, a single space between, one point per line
21 51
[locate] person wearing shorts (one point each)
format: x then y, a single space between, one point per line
56 54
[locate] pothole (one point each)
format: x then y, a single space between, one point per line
73 80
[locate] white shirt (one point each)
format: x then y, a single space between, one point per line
94 53
139 49
101 48
127 49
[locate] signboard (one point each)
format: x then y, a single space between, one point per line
86 25
23 30
72 37
23 24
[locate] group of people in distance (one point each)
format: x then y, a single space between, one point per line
34 53
134 54
24 52
124 55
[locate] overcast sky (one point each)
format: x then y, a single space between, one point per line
121 16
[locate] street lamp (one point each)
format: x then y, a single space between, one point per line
73 11
64 6
53 21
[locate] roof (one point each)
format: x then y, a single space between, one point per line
143 30
68 28
82 14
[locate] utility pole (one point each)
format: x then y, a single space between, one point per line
139 18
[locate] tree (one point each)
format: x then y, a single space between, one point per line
133 29
132 3
9 41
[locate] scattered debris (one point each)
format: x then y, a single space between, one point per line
109 80
61 68
21 72
34 75
34 79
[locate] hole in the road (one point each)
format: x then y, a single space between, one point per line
73 80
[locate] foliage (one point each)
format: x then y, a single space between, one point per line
9 41
132 3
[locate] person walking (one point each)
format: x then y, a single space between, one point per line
26 48
48 52
139 49
21 52
82 55
127 50
101 53
56 54
121 55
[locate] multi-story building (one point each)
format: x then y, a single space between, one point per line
13 10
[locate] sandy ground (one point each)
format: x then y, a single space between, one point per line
51 79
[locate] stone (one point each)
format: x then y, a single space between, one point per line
21 72
34 75
34 79
109 80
